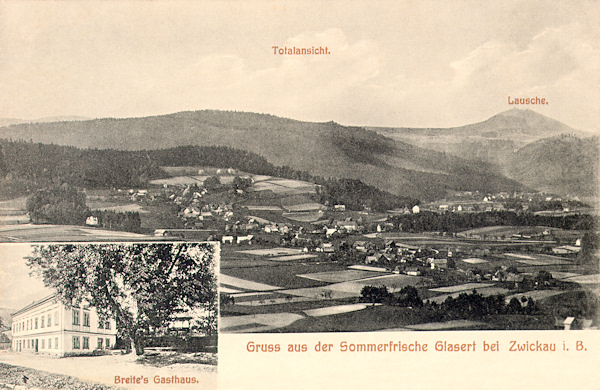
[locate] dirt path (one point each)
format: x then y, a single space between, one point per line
115 369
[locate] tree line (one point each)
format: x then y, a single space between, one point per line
456 222
65 205
26 167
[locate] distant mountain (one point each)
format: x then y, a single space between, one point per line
523 145
15 121
10 121
323 149
517 125
566 165
59 119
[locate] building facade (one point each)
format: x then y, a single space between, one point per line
49 327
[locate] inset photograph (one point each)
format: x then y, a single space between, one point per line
104 315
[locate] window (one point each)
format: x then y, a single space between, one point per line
100 325
42 324
49 343
86 342
35 322
107 325
75 342
56 343
49 320
86 319
107 343
100 340
75 317
43 344
55 318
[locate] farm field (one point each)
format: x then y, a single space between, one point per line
304 256
263 208
179 180
339 276
304 216
445 325
37 233
245 284
585 279
536 295
271 252
485 291
331 310
283 186
303 207
13 219
132 207
282 274
461 287
474 260
540 261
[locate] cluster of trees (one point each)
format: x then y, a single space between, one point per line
357 195
61 205
122 280
129 221
456 222
30 166
65 205
475 305
407 297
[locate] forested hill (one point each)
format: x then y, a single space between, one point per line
26 167
564 164
322 149
537 151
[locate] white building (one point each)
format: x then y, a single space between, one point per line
49 327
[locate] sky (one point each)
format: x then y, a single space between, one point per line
401 63
17 287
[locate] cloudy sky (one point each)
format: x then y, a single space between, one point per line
403 63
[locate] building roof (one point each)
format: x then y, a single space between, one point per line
34 304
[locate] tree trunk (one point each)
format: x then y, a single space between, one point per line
138 344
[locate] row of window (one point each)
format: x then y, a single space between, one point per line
46 321
32 323
86 320
36 344
102 343
40 344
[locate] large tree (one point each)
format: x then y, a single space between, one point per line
142 285
62 205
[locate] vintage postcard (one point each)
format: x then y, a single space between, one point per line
380 193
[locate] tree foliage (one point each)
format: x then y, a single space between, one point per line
455 222
142 285
58 205
34 166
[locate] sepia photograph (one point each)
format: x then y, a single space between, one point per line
81 315
351 177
